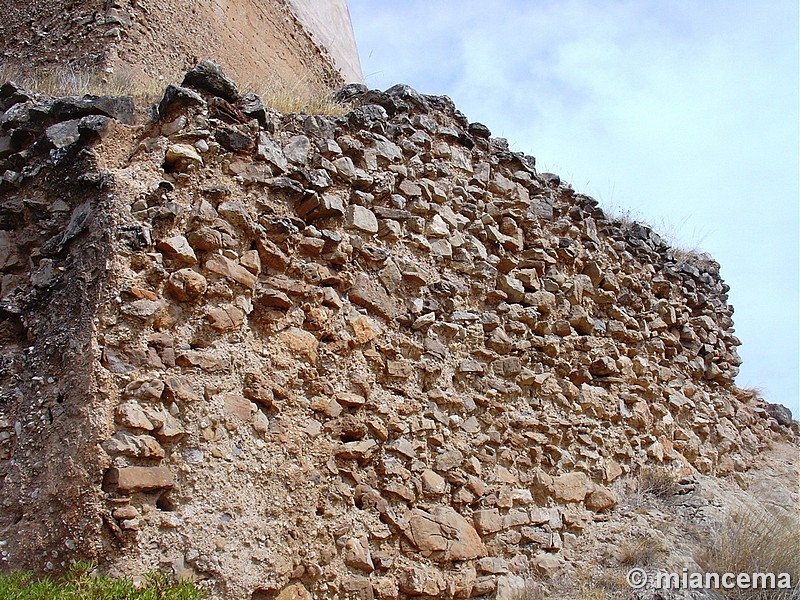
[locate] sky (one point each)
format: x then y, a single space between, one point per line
680 114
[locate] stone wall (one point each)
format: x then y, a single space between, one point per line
374 355
307 46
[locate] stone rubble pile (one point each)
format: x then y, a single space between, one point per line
376 355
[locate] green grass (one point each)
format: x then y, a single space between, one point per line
80 584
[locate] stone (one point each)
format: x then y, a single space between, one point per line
361 450
296 591
358 587
167 428
350 400
433 483
357 555
139 446
421 581
142 309
270 151
492 565
546 565
130 414
444 535
186 285
600 499
321 206
364 329
253 106
371 295
64 134
229 269
399 369
300 343
361 218
424 321
571 487
233 140
234 405
780 413
436 227
128 480
208 77
177 248
126 512
176 98
487 520
181 158
258 388
499 341
225 318
296 150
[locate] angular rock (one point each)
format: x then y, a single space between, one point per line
128 480
361 218
370 294
208 77
300 343
571 487
444 535
177 248
181 157
186 285
224 266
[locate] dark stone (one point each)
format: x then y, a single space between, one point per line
410 97
233 139
316 179
208 77
319 127
252 105
120 108
550 179
289 186
226 112
367 116
176 98
390 104
78 223
479 130
780 413
349 92
134 237
11 94
93 126
63 134
7 146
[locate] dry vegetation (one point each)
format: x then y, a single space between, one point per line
756 542
652 484
68 81
295 97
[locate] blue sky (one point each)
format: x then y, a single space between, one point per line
681 114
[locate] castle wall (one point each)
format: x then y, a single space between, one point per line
377 354
264 42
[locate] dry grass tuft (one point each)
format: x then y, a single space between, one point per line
297 98
651 484
756 542
69 81
657 481
643 551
